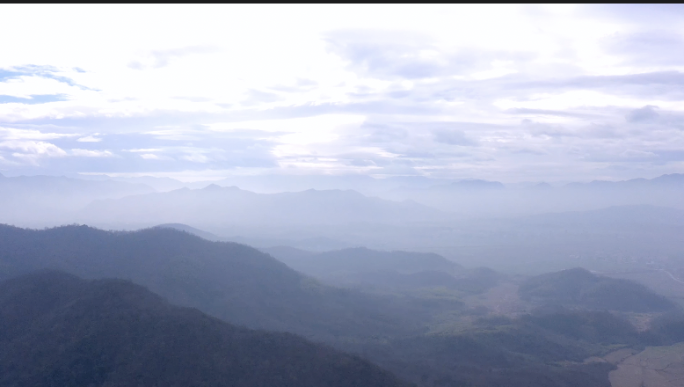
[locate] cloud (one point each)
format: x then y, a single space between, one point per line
33 99
36 71
646 113
196 158
405 55
34 90
30 134
91 153
89 139
33 148
453 137
151 156
648 48
162 58
383 92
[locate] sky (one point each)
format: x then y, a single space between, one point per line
202 92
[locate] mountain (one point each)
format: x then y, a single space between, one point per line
361 259
479 197
580 288
59 330
385 271
191 230
672 181
231 205
44 200
227 280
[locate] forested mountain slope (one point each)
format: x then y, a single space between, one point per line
60 330
231 281
580 288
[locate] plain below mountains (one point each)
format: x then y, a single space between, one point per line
230 205
60 330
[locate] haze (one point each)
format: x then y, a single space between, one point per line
411 184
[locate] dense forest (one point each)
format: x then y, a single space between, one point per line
60 330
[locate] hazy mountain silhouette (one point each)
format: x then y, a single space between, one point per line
361 259
479 197
192 230
384 270
51 199
231 205
228 280
59 330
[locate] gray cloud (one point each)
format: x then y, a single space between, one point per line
403 55
659 47
453 137
644 114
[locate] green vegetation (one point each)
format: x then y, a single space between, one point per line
579 316
227 280
59 330
580 288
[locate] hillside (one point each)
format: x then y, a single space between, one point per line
59 330
578 287
385 271
361 259
231 281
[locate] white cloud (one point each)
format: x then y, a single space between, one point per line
33 148
89 139
206 85
196 158
91 153
30 134
26 86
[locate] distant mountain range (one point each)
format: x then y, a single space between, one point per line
479 197
52 199
60 330
231 205
391 271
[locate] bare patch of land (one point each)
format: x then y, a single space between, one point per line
652 367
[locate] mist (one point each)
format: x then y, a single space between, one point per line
422 195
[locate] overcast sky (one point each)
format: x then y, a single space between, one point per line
508 93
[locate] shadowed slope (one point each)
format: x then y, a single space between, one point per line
228 280
59 330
